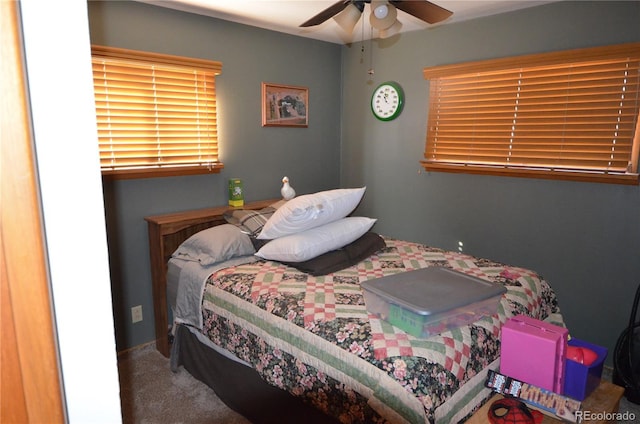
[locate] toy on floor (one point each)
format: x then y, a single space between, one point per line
512 411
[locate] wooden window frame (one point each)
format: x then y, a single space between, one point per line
451 127
156 113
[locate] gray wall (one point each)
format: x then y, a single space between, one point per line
261 156
584 238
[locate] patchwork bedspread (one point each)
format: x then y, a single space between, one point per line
313 336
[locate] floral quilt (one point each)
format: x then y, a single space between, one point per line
313 336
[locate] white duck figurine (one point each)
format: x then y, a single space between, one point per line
287 191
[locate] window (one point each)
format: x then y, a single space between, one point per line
564 115
156 113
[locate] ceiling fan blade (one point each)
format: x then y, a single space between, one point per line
329 12
424 10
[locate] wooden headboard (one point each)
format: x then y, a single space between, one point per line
166 233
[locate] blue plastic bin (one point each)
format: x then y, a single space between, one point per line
580 380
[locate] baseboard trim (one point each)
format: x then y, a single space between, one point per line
138 347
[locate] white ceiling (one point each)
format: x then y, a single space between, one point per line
286 15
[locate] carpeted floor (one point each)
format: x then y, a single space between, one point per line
151 394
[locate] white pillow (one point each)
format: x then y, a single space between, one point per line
308 244
215 244
311 210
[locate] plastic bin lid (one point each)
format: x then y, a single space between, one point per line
433 290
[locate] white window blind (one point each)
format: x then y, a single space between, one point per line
156 113
566 115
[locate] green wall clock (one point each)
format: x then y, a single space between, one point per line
387 101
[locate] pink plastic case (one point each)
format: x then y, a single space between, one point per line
534 351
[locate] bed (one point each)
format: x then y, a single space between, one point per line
278 344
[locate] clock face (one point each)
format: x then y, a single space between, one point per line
387 101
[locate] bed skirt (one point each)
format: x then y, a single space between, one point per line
241 388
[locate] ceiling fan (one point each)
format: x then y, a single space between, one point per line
383 14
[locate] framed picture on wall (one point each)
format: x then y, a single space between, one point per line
284 105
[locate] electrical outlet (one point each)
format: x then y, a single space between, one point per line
136 314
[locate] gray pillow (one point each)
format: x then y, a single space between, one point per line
215 244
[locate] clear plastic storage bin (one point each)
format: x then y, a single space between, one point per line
431 300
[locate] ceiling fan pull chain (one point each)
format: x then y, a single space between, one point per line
371 71
362 44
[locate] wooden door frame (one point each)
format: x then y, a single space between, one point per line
30 388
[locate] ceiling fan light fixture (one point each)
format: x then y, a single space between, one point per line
383 15
381 11
392 30
348 18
